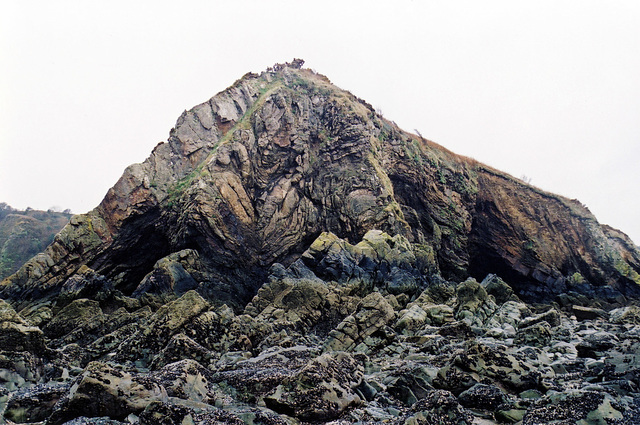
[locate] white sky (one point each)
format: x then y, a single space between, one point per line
546 89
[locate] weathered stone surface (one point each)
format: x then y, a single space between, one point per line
373 313
481 396
321 390
186 379
170 413
166 322
82 313
588 313
438 407
288 247
16 334
629 314
19 369
577 406
172 274
103 390
34 404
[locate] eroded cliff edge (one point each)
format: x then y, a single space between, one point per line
254 175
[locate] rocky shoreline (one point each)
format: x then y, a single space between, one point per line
373 344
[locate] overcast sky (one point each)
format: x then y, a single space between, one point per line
544 89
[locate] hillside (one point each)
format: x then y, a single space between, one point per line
23 234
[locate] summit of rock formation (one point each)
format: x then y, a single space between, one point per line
289 256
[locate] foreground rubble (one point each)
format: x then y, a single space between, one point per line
306 350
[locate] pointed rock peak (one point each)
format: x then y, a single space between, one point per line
254 175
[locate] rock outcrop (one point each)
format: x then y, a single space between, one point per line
254 175
288 256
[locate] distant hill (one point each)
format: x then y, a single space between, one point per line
24 234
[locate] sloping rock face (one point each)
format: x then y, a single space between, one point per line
252 176
290 257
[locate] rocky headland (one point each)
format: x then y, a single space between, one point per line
289 256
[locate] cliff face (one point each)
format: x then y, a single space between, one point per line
254 175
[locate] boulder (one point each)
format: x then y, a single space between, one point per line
438 407
625 315
588 313
34 404
484 397
500 290
173 274
16 334
551 316
372 314
536 335
105 390
19 369
473 304
167 321
186 379
495 362
580 407
321 390
82 315
250 379
176 412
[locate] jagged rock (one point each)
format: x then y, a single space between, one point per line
500 290
506 319
168 413
588 313
300 304
82 316
16 334
629 314
182 347
577 406
163 324
86 283
458 330
596 344
186 379
409 384
103 390
19 369
485 397
439 407
253 378
172 274
537 335
379 260
473 304
37 314
373 313
34 404
496 363
551 316
321 390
